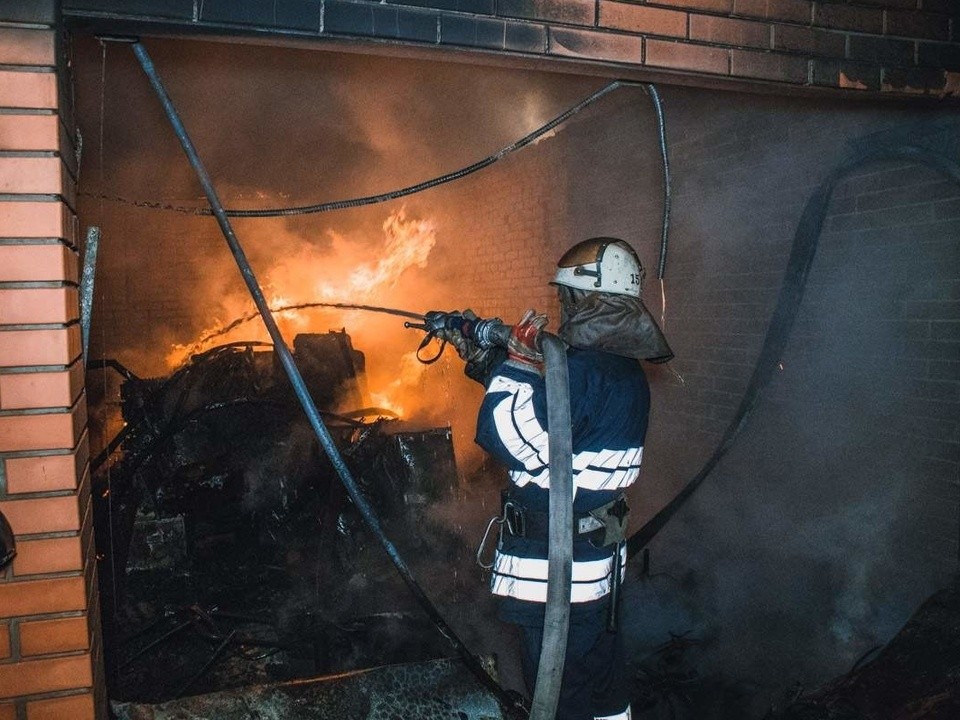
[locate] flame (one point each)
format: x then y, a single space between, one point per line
408 244
404 389
347 270
382 400
311 274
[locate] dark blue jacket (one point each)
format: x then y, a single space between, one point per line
609 406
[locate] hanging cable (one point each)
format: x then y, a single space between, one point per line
523 142
441 180
662 134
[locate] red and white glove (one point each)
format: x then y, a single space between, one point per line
524 344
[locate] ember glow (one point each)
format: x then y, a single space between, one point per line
386 273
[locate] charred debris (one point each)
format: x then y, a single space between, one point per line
229 553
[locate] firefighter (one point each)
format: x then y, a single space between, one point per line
608 329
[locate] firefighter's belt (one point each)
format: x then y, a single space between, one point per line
602 526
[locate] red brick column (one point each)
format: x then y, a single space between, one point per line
50 646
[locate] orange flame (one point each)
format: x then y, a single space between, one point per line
408 244
347 271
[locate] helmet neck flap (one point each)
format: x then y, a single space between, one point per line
613 323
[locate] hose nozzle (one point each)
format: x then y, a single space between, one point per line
443 325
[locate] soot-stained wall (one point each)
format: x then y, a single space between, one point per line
837 509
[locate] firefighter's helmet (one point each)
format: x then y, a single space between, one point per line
601 264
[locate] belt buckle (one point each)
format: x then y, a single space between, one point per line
513 516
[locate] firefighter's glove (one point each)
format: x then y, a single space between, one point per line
456 329
524 344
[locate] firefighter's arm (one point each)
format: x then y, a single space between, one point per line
512 421
484 344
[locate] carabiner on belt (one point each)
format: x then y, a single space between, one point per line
511 517
486 536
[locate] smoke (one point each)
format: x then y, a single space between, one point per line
810 543
286 128
281 128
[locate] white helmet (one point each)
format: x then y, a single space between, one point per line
601 264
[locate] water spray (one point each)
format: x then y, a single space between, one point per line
253 315
433 323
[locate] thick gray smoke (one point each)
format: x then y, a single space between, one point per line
281 128
818 535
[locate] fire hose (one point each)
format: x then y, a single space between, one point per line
556 621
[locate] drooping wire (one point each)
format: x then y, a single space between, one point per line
662 134
441 180
665 228
523 142
393 194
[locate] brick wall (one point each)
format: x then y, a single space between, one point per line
741 181
886 46
50 648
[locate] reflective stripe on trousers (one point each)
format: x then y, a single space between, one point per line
526 578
